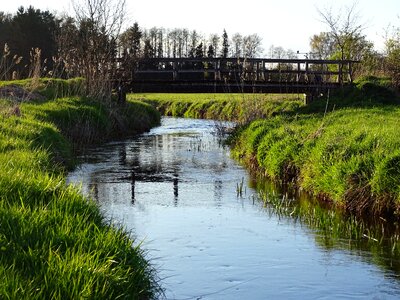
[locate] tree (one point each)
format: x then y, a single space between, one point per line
194 38
345 30
199 51
277 52
237 42
68 48
214 41
392 60
99 23
210 51
252 45
130 40
225 45
29 29
347 34
322 45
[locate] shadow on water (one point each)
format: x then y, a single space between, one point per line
335 230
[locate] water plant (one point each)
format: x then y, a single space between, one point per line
239 188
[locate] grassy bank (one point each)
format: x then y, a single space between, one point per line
345 151
54 243
228 107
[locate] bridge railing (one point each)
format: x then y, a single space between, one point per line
232 70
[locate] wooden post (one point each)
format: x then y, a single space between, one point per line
350 72
175 71
263 70
218 70
257 70
308 79
298 75
308 98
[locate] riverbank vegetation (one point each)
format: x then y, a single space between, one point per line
54 243
343 149
229 107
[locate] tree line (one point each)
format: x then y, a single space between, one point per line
89 43
182 42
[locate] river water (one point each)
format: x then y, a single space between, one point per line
176 189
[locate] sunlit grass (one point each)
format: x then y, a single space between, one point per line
54 243
232 107
348 154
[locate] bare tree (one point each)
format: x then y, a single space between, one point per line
108 15
214 42
252 45
277 52
99 23
345 28
237 45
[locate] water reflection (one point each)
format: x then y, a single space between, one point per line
175 188
377 240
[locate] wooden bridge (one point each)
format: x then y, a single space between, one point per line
221 75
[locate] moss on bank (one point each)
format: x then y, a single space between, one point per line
54 243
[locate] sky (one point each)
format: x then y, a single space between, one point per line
286 23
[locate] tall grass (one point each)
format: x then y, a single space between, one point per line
349 156
54 243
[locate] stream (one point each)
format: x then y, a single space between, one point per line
176 190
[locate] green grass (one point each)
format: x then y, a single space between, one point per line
349 156
231 107
54 243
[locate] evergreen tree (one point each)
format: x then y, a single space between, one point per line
199 51
29 29
225 45
148 51
210 51
136 36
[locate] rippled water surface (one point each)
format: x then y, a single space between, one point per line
175 188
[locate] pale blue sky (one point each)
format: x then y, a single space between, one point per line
286 23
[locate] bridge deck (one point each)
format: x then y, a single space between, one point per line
219 75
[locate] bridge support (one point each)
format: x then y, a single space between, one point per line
308 98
